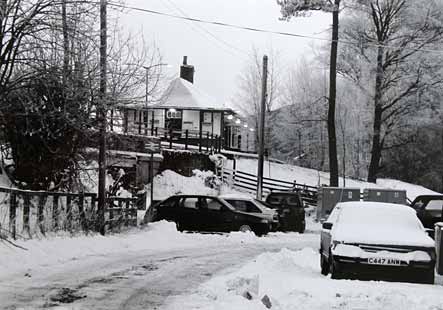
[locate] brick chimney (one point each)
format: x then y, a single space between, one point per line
187 71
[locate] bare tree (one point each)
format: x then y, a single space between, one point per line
20 21
390 37
248 98
291 8
300 124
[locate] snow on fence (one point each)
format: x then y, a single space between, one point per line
31 213
248 182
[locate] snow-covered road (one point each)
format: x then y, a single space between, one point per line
141 269
160 268
136 280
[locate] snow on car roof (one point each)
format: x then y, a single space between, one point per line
236 196
379 223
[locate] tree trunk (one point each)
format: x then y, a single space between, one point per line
376 138
333 162
65 45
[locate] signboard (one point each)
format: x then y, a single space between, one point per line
152 146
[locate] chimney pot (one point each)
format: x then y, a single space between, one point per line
187 71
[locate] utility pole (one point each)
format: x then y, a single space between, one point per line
102 119
261 132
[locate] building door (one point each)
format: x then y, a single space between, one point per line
173 121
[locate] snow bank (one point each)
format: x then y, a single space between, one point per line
314 177
292 280
156 237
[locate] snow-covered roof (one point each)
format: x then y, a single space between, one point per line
185 95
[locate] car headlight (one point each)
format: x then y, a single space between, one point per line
335 243
264 221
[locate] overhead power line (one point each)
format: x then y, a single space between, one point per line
224 43
259 30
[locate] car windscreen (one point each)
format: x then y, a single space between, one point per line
288 200
434 207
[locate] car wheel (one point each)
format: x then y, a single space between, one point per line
245 228
324 265
302 228
179 226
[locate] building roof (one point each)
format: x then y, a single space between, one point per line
182 94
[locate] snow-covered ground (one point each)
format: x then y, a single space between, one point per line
292 280
314 177
155 237
139 268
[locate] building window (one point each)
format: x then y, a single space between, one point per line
207 117
174 114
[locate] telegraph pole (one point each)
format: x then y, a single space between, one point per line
261 132
102 118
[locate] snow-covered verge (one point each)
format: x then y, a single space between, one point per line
156 237
313 177
292 280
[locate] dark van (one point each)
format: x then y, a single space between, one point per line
290 209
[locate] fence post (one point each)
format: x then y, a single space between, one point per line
55 211
156 131
26 204
170 138
200 141
81 211
68 212
128 207
121 214
207 141
186 139
12 214
110 205
40 215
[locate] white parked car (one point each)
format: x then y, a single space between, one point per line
378 241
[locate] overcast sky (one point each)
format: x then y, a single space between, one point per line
220 54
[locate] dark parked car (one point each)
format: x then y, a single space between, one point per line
290 209
429 209
376 241
252 206
209 214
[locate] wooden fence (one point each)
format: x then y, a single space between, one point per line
27 213
248 182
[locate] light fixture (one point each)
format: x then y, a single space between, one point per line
245 125
251 129
230 116
238 121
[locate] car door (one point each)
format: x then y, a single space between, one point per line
213 214
166 210
189 217
326 232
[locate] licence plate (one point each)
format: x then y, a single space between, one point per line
384 261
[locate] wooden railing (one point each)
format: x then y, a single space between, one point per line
27 213
248 182
204 140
